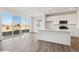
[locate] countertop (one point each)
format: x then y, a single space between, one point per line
56 30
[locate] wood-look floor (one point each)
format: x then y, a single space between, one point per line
28 43
54 47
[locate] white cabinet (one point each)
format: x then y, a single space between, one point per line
72 33
49 25
62 17
74 19
71 19
49 18
56 20
75 33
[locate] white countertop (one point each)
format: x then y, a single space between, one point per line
57 30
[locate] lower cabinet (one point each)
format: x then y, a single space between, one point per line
75 33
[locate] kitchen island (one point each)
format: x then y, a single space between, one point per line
55 36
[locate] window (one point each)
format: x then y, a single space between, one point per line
6 24
16 25
28 24
23 25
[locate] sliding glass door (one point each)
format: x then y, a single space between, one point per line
28 25
25 25
16 25
6 24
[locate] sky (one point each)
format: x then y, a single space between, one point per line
7 19
16 20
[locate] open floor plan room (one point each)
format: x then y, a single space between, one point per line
39 29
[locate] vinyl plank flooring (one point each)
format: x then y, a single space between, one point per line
29 43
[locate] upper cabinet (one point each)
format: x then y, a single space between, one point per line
62 17
56 20
71 18
49 18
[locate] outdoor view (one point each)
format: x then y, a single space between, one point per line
6 24
25 25
15 24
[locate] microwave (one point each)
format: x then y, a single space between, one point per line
63 22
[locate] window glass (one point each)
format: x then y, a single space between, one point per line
23 25
16 25
28 25
6 24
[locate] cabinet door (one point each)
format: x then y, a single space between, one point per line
49 18
55 20
75 33
63 17
60 17
71 19
74 19
68 17
49 25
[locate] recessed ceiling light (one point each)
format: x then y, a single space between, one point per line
71 8
50 8
22 9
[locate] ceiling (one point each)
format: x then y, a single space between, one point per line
34 11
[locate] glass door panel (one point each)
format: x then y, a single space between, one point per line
23 25
28 25
6 25
16 25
